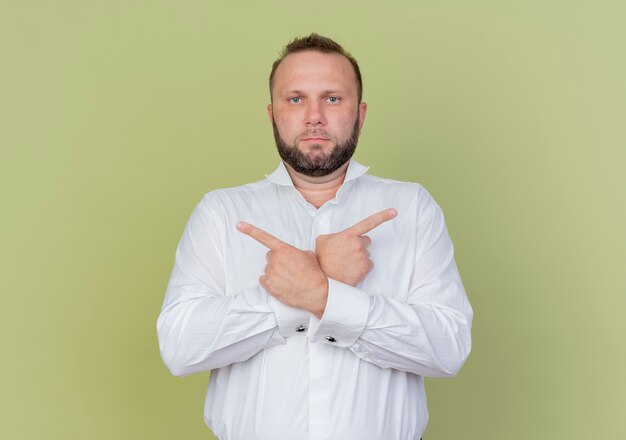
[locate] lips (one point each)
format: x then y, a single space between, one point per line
315 136
315 139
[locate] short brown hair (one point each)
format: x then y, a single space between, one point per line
321 44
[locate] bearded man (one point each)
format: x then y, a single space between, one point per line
320 296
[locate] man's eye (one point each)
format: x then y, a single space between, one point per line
295 100
333 99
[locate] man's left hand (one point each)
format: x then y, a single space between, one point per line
292 276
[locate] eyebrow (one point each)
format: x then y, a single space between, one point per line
324 92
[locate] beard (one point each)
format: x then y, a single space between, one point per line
315 163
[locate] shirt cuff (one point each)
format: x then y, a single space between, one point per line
344 319
290 319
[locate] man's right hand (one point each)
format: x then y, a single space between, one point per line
343 256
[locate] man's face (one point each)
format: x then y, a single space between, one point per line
315 112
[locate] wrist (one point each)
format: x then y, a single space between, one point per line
320 307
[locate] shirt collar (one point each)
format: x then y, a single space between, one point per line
281 176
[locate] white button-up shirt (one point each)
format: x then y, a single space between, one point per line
280 373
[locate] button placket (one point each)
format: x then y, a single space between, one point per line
321 225
319 357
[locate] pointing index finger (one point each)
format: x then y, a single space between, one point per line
371 222
263 237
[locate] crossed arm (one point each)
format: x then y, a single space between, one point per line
200 328
300 278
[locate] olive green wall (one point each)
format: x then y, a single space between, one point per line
117 116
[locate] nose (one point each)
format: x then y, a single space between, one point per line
315 114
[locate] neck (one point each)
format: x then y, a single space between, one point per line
318 190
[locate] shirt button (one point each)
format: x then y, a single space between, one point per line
301 328
329 338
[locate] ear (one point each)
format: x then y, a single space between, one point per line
269 112
362 111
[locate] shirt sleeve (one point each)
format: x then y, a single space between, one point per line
200 327
430 333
